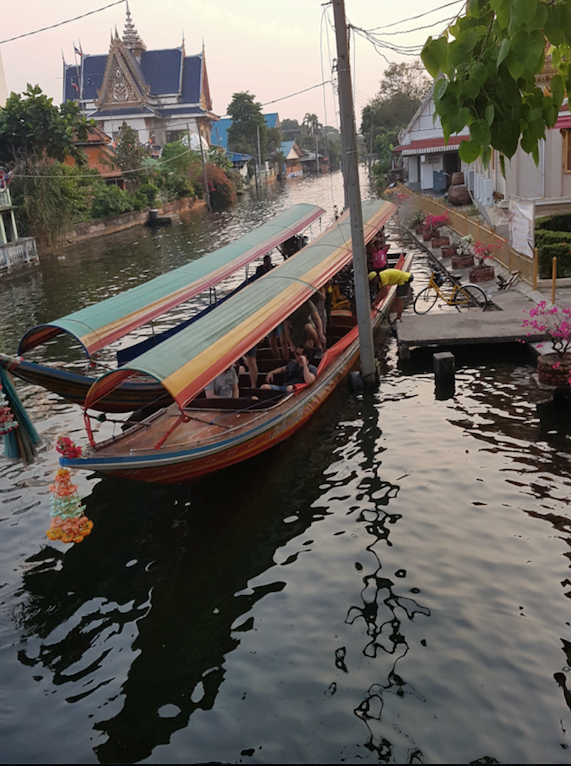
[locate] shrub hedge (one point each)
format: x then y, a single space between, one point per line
553 239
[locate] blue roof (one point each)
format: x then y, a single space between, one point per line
286 147
160 70
271 120
219 133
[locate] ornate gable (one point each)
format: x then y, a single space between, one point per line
122 84
205 100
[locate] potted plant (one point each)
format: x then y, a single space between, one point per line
553 367
464 258
416 221
483 272
432 224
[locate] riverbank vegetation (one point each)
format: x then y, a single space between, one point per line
53 187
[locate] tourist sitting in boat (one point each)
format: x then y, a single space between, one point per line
385 279
264 267
296 371
304 328
224 386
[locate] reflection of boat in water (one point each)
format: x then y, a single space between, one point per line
97 326
194 437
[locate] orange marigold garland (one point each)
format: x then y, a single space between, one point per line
69 524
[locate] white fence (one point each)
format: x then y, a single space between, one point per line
22 251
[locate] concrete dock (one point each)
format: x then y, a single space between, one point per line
444 326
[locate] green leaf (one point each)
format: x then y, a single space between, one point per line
534 53
539 18
486 154
558 23
489 114
521 12
470 88
469 151
439 88
504 50
557 89
479 72
503 165
434 55
480 132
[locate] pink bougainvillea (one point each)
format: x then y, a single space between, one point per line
554 322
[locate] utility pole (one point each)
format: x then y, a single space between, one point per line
259 154
353 196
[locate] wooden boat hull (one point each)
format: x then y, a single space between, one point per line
74 387
186 465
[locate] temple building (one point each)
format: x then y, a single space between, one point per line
161 94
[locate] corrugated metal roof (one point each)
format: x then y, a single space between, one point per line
430 145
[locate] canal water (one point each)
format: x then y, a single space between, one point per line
389 585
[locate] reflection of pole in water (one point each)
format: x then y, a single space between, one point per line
380 603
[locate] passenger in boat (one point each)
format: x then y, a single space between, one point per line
296 371
264 267
224 386
251 362
388 277
304 327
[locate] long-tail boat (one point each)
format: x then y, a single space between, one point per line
195 436
99 325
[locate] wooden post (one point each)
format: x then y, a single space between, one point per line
351 178
553 279
535 269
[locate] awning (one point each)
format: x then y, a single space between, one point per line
431 145
563 121
99 325
186 363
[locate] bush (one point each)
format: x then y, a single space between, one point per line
111 200
149 193
553 239
221 188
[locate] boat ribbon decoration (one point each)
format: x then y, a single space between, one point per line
96 326
187 363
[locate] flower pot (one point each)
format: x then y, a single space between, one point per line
440 241
462 261
448 250
553 369
482 273
419 230
429 234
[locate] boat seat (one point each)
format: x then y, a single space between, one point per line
244 402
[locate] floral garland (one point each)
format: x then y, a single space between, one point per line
7 421
69 523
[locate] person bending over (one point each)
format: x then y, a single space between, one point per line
224 386
296 371
388 277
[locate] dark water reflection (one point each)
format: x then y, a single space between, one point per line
391 585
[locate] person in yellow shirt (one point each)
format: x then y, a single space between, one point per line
388 277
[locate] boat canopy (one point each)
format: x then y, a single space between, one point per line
186 363
99 325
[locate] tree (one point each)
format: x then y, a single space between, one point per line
291 130
401 92
33 129
131 155
486 65
247 119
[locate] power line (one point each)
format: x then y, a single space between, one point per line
420 15
61 23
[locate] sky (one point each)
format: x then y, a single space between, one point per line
271 49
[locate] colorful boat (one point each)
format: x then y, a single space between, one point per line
195 436
97 326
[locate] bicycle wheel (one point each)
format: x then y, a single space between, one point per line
470 297
425 300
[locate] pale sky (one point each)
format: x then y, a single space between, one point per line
269 48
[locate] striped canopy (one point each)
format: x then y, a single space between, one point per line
99 325
186 363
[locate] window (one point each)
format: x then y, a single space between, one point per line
566 133
173 135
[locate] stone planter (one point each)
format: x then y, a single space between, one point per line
553 370
462 261
440 241
482 273
448 250
429 234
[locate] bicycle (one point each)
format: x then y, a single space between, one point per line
462 297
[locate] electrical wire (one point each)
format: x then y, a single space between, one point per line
61 23
420 15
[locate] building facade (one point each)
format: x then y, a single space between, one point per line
160 94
